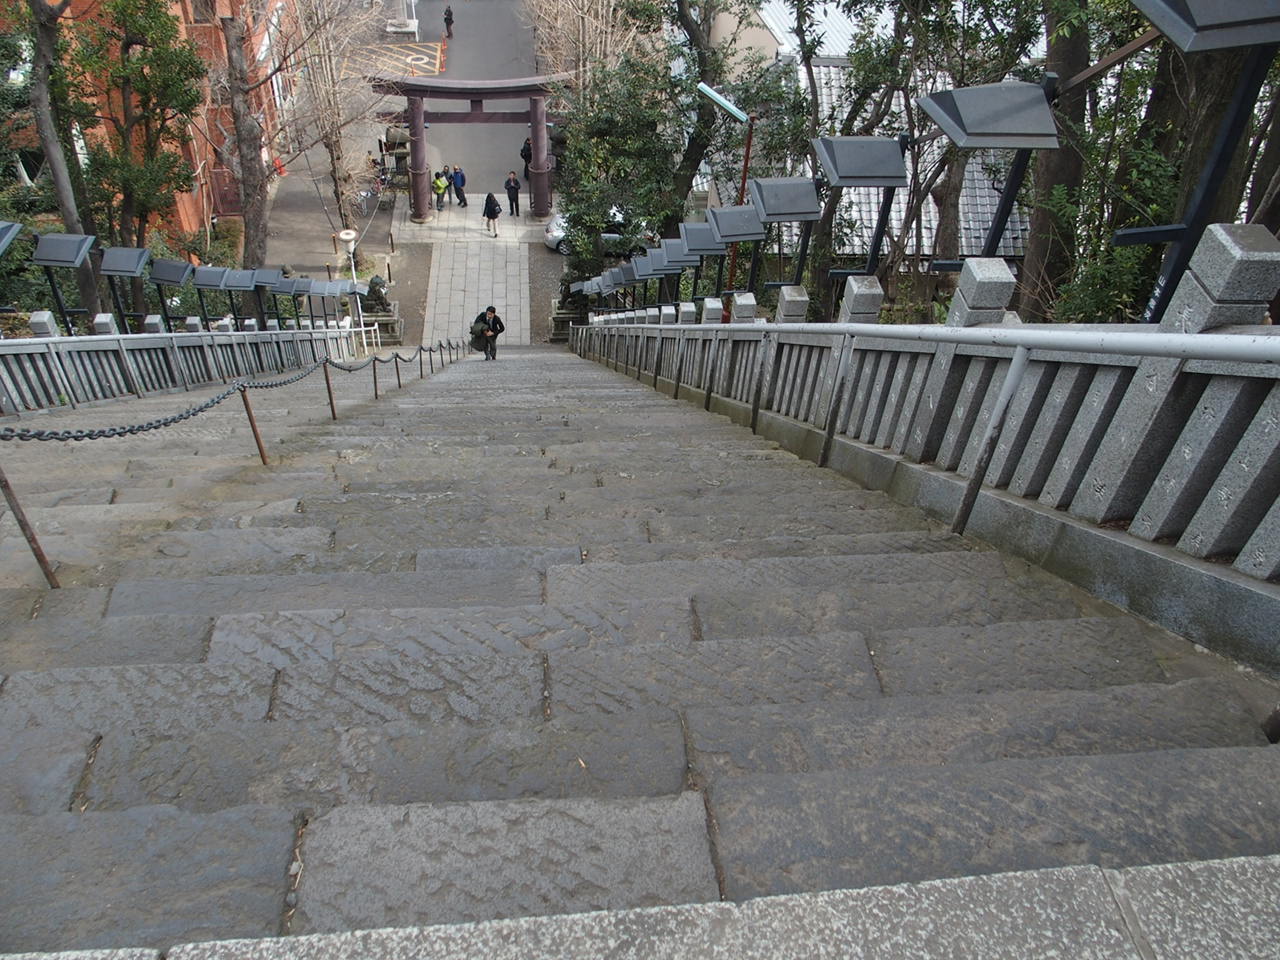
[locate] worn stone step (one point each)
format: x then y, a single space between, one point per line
47 643
767 670
573 583
793 523
318 765
143 517
871 608
1184 911
283 639
853 734
146 877
907 541
366 867
141 697
212 596
1047 654
870 827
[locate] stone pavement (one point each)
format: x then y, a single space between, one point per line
526 640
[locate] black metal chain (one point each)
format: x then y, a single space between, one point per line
9 433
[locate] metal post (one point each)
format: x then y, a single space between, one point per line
805 233
27 531
253 425
57 299
395 358
204 309
742 195
374 363
697 275
755 268
719 290
115 298
882 226
431 359
328 385
421 375
1017 367
1012 184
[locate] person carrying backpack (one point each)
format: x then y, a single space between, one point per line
491 212
439 185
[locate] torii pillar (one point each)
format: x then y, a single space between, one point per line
539 168
419 175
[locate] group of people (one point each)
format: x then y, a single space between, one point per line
450 181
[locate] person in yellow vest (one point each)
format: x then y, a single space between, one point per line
439 185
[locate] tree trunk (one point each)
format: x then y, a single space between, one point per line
253 174
45 55
1051 244
946 194
1268 165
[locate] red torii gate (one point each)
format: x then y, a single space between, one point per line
417 89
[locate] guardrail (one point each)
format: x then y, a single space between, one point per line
45 372
1171 438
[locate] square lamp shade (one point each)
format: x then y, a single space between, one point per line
285 286
608 283
785 199
643 268
237 280
735 224
124 261
658 265
1195 25
861 161
699 240
591 286
62 249
677 254
575 287
1011 115
209 278
8 233
302 286
628 274
171 273
267 278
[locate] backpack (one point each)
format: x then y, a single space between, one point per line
478 328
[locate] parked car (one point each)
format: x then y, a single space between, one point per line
613 243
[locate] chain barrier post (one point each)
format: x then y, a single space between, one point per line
396 361
253 425
374 364
431 359
27 531
421 374
328 385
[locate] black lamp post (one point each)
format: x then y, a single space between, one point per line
860 162
123 262
679 256
1194 26
699 241
788 200
209 278
644 273
302 288
1009 116
264 282
170 273
237 281
66 250
284 287
730 225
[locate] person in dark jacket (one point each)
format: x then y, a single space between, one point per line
494 326
491 212
460 181
526 154
513 194
448 21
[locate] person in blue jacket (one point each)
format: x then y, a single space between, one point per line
459 182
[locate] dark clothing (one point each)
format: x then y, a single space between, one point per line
448 179
460 181
492 209
448 21
513 196
489 343
526 154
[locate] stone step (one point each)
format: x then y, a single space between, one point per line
283 639
769 523
317 766
211 596
575 583
151 876
887 825
48 643
855 734
605 681
1178 911
375 866
142 517
871 608
908 541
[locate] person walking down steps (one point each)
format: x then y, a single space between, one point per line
486 328
448 21
491 212
513 194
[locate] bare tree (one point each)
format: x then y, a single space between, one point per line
576 36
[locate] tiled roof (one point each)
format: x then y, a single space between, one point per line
836 28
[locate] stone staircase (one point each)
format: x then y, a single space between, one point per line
526 641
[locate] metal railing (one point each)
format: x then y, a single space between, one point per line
43 373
